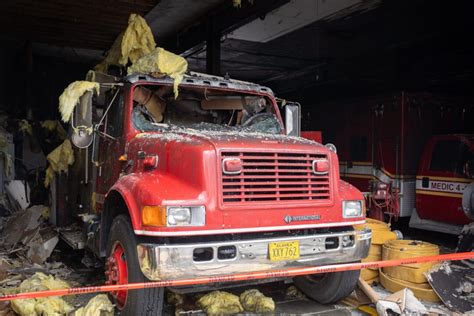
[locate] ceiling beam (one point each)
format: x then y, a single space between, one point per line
225 17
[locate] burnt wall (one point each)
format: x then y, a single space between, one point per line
30 84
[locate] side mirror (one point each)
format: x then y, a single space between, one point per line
81 122
293 119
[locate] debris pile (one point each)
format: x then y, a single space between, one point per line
453 283
408 283
402 302
26 234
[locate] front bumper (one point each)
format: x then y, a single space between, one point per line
159 262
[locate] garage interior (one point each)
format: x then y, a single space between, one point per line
389 83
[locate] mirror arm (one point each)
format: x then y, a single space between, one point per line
108 108
106 135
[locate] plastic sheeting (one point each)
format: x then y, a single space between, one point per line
71 95
136 42
161 61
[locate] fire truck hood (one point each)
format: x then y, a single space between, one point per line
229 140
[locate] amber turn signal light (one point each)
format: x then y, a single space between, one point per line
154 216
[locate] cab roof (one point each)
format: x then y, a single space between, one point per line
200 79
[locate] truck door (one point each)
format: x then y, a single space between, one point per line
441 179
110 145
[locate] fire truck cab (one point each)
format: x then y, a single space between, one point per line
219 185
444 195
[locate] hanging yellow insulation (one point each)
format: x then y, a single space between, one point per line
71 95
238 3
54 127
136 42
161 62
59 161
25 127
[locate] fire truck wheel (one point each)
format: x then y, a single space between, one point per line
122 267
329 287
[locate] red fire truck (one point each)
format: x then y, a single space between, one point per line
387 151
220 185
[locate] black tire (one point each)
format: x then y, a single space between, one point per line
138 302
329 287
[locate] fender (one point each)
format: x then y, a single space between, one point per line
147 188
349 192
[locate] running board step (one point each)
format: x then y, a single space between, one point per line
74 238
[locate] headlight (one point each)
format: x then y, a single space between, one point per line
178 216
185 216
170 216
352 208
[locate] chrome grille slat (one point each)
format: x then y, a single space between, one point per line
274 177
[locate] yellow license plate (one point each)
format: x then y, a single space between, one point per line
284 250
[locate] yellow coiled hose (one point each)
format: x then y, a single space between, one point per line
408 275
380 234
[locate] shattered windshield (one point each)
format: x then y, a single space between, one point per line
156 109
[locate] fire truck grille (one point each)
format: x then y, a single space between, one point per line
274 177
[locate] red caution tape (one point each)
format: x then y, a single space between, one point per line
241 276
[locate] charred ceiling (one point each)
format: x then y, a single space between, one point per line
79 24
386 45
418 45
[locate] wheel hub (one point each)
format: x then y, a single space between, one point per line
116 273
